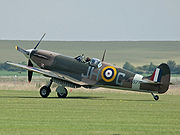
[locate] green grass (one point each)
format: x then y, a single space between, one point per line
88 113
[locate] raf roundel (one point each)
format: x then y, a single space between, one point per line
108 73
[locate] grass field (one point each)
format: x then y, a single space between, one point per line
88 113
118 52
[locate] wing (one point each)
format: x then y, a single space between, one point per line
47 73
37 70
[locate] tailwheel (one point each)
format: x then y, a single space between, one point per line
45 91
61 92
156 97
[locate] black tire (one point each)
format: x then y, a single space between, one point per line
63 95
156 97
45 91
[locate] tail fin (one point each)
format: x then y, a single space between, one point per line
161 75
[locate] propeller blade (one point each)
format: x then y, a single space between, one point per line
104 55
30 63
39 41
30 73
22 50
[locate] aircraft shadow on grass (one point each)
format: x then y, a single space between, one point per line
73 97
78 97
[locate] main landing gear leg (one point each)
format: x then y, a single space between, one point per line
156 97
46 90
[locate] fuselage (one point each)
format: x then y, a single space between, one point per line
102 75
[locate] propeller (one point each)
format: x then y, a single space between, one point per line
40 41
27 54
104 55
30 73
22 50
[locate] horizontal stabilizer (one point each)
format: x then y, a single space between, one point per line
150 82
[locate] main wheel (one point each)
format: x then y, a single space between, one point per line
45 91
156 97
64 94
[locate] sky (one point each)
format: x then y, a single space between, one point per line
90 20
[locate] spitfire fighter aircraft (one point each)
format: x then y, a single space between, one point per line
88 72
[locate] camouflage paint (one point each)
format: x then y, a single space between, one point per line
105 76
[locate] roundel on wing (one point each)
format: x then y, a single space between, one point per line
108 73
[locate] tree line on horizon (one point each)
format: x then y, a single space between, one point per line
145 69
149 69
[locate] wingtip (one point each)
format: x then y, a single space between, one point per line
7 62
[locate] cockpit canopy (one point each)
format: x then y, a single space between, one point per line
94 62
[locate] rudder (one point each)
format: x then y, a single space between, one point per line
161 75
